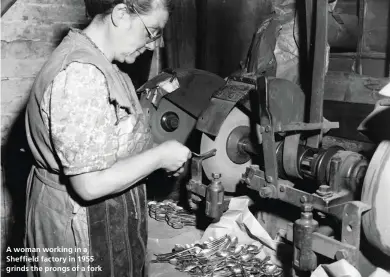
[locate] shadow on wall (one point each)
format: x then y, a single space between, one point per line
16 162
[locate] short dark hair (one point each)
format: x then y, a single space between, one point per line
94 7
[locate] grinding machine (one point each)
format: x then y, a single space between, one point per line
262 135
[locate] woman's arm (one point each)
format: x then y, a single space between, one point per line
120 176
126 172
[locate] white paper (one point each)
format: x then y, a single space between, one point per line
239 221
379 272
385 91
340 268
169 85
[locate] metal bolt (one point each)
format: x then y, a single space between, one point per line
282 189
215 175
307 208
303 199
341 254
261 129
265 192
267 128
321 215
324 190
269 179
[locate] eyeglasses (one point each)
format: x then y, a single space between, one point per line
152 37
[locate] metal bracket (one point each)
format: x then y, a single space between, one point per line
255 179
195 185
268 141
351 214
348 247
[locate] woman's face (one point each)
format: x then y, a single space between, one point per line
131 37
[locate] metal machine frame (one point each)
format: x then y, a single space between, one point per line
331 197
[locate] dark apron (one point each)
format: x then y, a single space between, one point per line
118 226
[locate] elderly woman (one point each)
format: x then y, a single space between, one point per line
92 146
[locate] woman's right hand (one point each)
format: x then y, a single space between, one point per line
173 155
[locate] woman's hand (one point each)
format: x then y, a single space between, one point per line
173 156
170 155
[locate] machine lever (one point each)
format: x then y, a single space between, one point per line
206 155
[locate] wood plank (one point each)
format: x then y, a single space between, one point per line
348 99
353 88
349 115
319 69
376 23
371 67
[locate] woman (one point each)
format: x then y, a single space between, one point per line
92 145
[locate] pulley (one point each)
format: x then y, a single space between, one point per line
376 192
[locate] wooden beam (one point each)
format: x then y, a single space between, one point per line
317 91
364 55
348 99
353 88
349 115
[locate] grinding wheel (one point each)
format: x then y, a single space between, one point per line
220 163
184 123
286 104
376 192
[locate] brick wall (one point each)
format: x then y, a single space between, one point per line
30 30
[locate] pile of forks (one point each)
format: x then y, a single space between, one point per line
174 215
222 257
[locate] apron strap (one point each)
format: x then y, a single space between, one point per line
53 180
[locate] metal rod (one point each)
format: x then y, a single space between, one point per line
248 147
